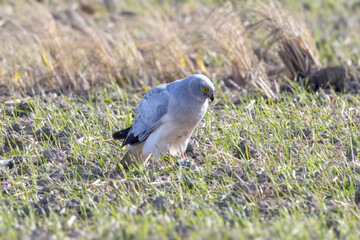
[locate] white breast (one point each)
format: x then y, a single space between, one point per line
170 136
174 132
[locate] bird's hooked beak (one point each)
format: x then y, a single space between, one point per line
211 96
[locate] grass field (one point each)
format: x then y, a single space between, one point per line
265 163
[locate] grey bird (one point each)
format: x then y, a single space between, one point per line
165 118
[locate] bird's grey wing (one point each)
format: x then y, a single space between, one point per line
148 114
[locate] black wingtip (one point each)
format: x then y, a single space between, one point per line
131 139
118 135
122 134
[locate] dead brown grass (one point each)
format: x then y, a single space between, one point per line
66 50
293 41
232 42
167 49
70 48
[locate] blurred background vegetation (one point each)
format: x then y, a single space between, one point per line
80 45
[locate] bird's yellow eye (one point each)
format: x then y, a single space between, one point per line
205 89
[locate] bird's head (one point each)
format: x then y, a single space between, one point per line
201 87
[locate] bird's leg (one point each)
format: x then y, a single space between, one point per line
183 162
182 154
172 162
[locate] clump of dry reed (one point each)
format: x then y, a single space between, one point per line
230 38
291 37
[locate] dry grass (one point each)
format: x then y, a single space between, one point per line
168 51
81 46
232 42
293 41
71 48
66 49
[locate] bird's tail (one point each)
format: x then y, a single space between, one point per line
134 156
122 134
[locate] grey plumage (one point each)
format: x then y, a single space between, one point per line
165 118
148 113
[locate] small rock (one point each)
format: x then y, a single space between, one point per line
183 162
29 130
66 133
85 214
18 159
43 206
42 210
76 160
352 151
330 76
7 163
4 150
39 234
246 150
65 176
199 160
287 88
88 176
41 182
357 197
77 234
304 132
228 201
72 203
46 190
236 174
263 178
334 225
110 5
246 187
24 108
188 183
44 134
47 199
306 6
190 150
96 199
159 203
97 171
14 128
14 140
47 167
54 155
2 173
307 133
